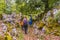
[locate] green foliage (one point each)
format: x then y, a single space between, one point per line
52 2
57 16
2 6
30 7
25 6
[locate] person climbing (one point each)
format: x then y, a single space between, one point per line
30 20
25 22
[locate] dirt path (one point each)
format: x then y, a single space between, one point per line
31 36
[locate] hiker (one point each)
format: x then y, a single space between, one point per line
30 20
25 22
35 28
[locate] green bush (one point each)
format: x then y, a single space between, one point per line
57 16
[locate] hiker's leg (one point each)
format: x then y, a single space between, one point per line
26 29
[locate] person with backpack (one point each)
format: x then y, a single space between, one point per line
25 22
30 21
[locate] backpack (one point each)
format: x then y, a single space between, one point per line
21 23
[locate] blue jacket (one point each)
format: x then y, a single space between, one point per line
30 21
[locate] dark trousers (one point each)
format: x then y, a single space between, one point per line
25 28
